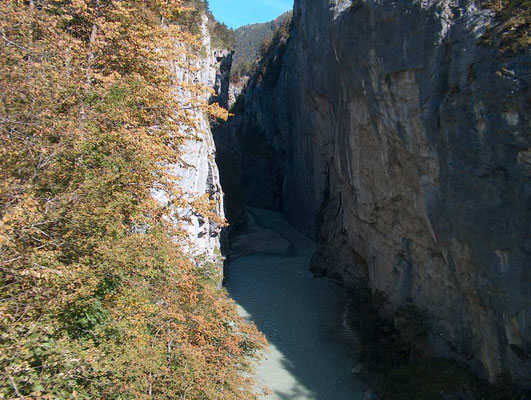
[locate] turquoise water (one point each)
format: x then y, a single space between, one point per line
311 354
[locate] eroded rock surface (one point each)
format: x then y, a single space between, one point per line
398 141
198 174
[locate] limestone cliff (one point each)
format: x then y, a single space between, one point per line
388 132
198 174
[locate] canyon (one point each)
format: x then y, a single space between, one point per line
391 134
348 183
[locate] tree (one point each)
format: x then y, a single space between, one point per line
98 299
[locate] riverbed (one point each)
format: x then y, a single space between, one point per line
312 352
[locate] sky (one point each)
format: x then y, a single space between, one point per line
236 13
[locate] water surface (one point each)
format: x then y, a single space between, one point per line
311 354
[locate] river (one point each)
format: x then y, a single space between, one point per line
312 352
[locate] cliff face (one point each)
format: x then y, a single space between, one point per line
398 141
199 175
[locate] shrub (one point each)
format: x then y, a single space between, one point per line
512 27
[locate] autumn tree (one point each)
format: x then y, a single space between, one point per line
98 298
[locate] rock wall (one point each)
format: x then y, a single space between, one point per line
198 174
402 144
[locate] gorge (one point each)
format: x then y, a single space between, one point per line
331 205
395 136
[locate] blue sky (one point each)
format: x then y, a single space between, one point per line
236 13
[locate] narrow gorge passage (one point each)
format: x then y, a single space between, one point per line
311 354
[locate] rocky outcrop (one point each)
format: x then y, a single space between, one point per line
222 60
198 174
402 144
228 159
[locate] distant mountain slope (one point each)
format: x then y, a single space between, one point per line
249 39
222 37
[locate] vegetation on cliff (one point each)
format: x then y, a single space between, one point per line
249 40
98 298
267 67
221 35
512 24
397 362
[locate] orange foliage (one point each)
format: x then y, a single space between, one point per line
97 300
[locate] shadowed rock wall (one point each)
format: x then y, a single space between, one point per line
402 145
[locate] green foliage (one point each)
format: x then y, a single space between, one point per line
412 326
426 379
190 17
393 350
81 317
222 36
269 64
249 40
512 29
